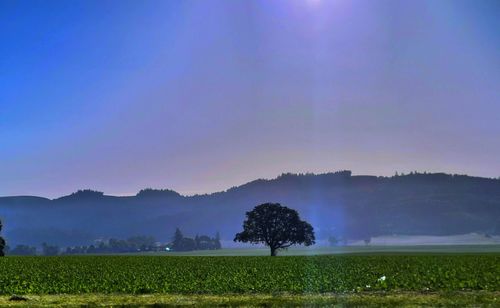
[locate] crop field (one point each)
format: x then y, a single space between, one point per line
248 275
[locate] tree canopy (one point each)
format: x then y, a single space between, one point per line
2 242
277 226
200 242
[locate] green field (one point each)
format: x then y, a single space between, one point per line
247 275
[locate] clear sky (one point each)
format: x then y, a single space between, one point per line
199 96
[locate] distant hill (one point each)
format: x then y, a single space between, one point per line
353 207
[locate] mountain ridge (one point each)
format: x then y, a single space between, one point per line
336 203
261 180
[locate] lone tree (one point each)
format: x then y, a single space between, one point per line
278 227
2 242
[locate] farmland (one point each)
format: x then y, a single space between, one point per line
248 275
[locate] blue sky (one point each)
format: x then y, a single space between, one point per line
199 96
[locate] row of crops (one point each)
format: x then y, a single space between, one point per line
216 275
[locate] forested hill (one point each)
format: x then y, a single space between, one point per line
339 204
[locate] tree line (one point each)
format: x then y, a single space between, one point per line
132 244
272 224
199 242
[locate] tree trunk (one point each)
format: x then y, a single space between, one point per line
273 252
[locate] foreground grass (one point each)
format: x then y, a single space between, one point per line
402 299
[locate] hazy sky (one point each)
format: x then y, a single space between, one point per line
198 96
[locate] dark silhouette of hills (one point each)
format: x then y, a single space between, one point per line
354 207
